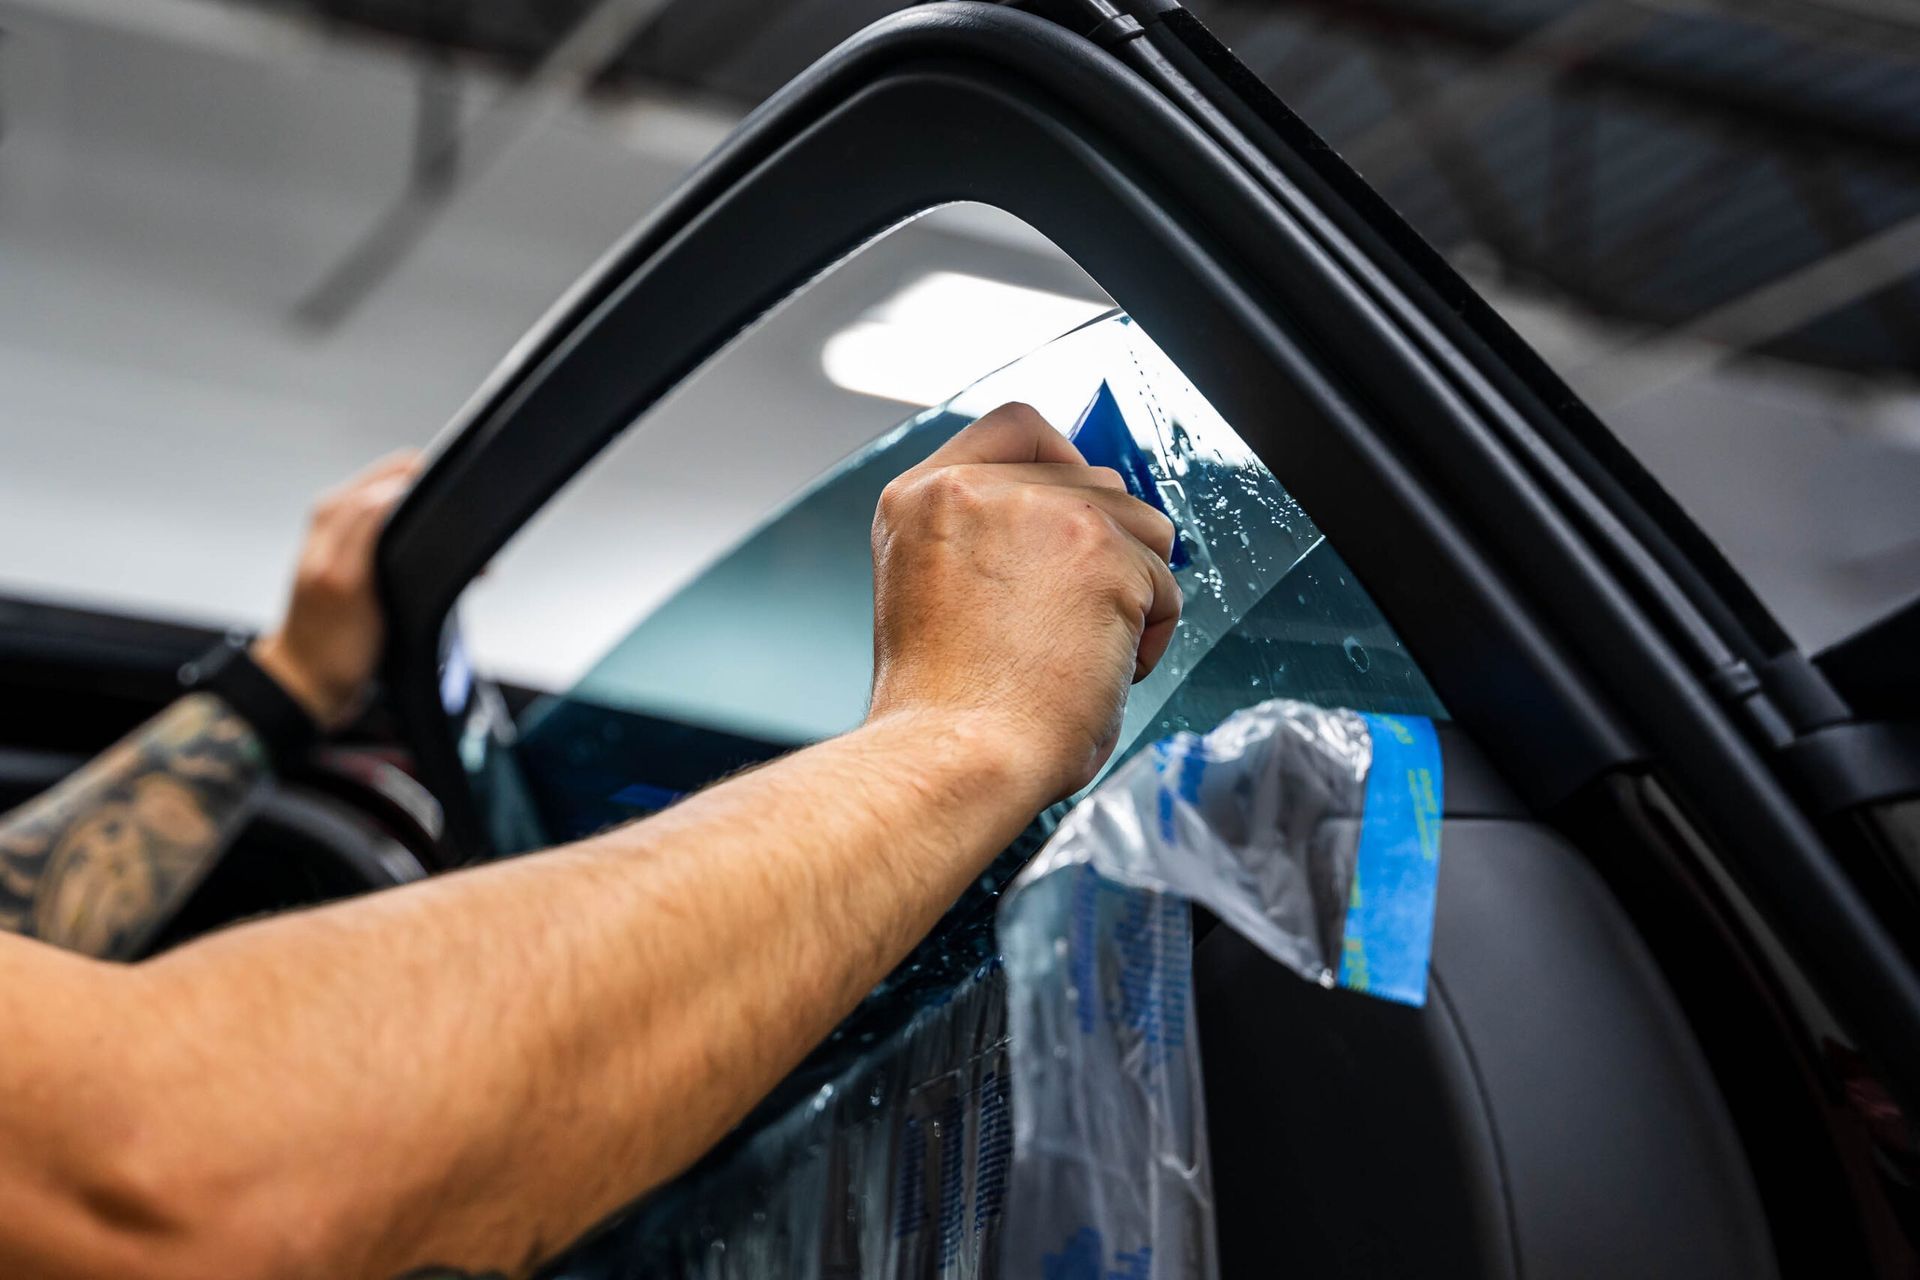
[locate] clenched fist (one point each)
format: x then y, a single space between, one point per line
326 648
1018 591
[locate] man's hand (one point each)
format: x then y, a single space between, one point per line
103 860
1019 589
616 1006
325 650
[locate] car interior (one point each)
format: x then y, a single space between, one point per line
1674 1014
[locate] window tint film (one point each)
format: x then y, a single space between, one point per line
771 646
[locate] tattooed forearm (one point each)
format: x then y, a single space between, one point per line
100 861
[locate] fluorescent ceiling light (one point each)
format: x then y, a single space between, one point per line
943 332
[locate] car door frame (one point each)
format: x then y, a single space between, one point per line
1564 631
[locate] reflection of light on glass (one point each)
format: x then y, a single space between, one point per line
456 677
943 331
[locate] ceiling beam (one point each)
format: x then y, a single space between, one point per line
1752 320
453 161
1727 107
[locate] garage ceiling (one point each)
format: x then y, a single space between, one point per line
1657 163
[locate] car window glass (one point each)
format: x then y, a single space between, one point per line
914 315
770 646
766 645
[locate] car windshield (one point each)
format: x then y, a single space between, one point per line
770 647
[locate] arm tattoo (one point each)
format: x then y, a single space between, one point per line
98 863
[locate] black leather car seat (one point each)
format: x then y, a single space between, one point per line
1548 1114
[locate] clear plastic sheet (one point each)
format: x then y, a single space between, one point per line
1041 1116
896 1167
1279 822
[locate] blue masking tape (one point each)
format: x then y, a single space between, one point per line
1389 929
1105 440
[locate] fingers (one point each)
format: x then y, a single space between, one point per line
1021 448
404 463
1012 433
1059 475
380 486
1162 616
1146 524
366 512
1149 535
400 462
347 522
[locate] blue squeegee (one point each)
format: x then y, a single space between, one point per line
1104 440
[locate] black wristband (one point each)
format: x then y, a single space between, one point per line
282 725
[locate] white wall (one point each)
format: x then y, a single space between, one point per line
166 198
1808 481
164 421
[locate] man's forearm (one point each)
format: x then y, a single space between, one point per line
472 1071
96 863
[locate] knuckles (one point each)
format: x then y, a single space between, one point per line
938 494
350 503
334 580
1164 534
1086 528
950 489
1013 411
1057 523
1136 591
